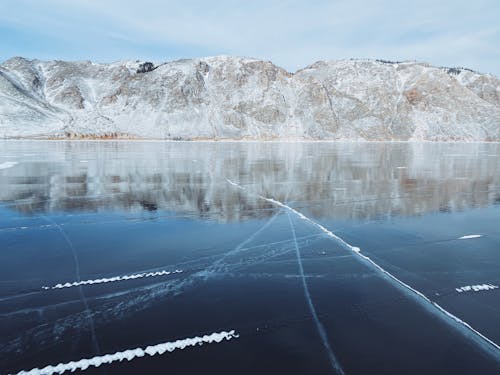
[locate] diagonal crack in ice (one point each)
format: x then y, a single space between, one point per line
465 328
88 312
319 326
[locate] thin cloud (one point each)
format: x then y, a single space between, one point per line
290 33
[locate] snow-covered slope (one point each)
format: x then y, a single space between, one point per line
241 98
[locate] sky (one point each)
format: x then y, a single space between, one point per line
292 34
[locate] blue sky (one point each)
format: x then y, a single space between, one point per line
292 34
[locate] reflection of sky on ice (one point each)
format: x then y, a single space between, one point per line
138 212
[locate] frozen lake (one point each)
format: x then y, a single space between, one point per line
291 258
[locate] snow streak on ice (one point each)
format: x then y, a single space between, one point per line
476 288
112 279
470 332
470 236
131 354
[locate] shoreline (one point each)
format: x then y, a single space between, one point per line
228 140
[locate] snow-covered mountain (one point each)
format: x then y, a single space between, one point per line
241 98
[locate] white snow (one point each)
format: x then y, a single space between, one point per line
225 97
7 164
131 354
476 288
112 279
470 236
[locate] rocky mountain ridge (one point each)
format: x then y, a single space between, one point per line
241 98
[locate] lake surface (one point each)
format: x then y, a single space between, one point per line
111 246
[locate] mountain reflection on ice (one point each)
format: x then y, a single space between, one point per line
106 228
379 178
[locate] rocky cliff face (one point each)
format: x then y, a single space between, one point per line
240 98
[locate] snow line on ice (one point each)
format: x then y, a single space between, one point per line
319 326
476 288
419 295
8 164
470 236
112 279
131 354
